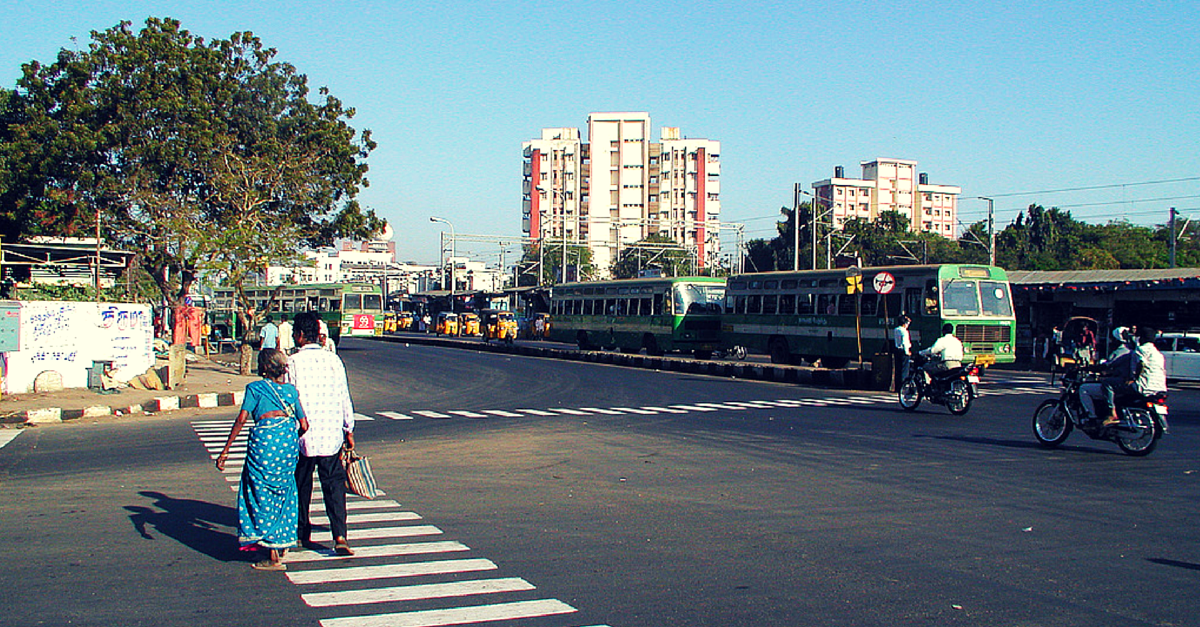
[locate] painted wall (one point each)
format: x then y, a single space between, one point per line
67 337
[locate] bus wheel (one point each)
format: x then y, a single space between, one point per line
779 351
834 363
651 345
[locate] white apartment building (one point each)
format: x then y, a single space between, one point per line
359 262
620 187
889 185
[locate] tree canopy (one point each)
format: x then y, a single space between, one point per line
1038 239
198 155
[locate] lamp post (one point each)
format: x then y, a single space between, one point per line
452 253
991 232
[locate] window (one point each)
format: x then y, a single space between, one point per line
754 304
826 304
787 304
804 304
770 303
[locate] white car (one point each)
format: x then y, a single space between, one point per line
1182 354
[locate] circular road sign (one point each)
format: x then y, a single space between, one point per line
884 282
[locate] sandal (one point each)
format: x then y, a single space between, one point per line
268 565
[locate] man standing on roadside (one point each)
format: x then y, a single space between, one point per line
320 377
269 334
286 342
901 348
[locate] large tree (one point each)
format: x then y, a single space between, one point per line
197 155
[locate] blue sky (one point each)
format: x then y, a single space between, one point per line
1000 99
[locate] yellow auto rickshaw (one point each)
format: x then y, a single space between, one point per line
389 322
447 324
468 324
498 325
539 329
404 321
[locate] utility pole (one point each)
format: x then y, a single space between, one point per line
1171 225
991 232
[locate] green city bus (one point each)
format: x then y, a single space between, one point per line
680 314
810 316
348 309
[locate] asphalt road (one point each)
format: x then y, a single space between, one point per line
543 493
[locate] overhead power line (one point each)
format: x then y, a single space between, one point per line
1093 187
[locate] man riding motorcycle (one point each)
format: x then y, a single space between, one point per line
945 354
1147 375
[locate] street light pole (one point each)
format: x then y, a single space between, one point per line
991 232
452 254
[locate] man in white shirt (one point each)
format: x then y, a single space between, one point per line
286 342
1150 374
901 348
945 354
320 377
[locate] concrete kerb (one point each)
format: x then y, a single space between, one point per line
49 415
799 375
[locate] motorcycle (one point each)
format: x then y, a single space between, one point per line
1143 420
955 388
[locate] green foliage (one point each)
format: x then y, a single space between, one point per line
655 251
551 263
1039 239
202 156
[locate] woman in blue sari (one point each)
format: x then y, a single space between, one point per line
268 508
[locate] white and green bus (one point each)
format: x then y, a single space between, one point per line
810 316
348 309
659 315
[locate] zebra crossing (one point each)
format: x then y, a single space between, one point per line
403 573
691 408
8 435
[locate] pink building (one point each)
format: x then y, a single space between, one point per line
889 185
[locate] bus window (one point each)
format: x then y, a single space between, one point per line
867 308
931 298
846 306
912 301
740 304
995 299
660 304
770 303
787 304
352 301
646 306
789 284
960 298
826 304
754 304
373 302
622 306
805 304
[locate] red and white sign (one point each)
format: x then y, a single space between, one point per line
364 322
884 283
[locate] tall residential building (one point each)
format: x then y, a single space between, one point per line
621 187
889 185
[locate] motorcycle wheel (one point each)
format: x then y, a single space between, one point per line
1051 425
958 398
1141 435
909 394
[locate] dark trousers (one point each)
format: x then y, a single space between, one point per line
901 363
333 487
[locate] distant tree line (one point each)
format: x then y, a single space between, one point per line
1038 239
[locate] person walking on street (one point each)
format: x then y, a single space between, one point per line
269 334
286 343
267 498
320 378
902 348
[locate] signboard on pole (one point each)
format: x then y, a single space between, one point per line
884 283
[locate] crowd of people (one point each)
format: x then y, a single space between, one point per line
303 420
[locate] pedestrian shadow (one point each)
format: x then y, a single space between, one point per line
197 525
1176 563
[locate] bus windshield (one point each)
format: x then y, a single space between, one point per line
976 298
699 297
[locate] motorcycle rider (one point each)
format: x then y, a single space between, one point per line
1149 374
1116 369
948 351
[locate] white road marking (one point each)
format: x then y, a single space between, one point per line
502 413
369 517
430 414
395 416
570 412
727 406
633 410
8 435
457 615
358 416
688 408
360 573
467 414
384 550
319 506
380 533
536 412
664 409
416 593
609 412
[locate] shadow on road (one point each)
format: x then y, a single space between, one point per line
1175 563
195 524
